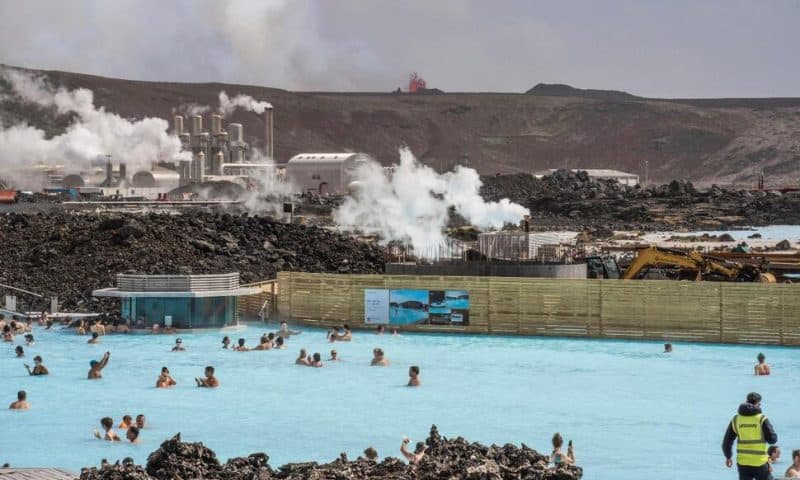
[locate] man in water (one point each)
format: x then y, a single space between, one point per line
133 434
774 454
38 367
380 330
95 338
22 401
226 341
379 358
165 380
419 451
347 335
264 343
126 423
210 381
302 359
753 432
140 421
285 332
241 347
19 351
108 429
96 367
794 470
178 346
413 374
667 348
334 356
761 368
29 339
316 361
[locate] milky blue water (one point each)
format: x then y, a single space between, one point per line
631 411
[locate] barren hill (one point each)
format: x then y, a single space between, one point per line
553 126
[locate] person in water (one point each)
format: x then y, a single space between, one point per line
333 334
794 470
140 421
133 434
380 330
334 356
8 335
774 454
395 332
279 344
29 339
302 359
264 343
347 335
379 358
19 351
108 428
210 381
413 374
752 431
241 347
178 346
126 423
417 455
95 367
556 456
667 348
38 367
762 367
21 403
226 342
95 338
285 332
316 361
165 380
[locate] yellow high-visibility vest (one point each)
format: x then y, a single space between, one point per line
751 448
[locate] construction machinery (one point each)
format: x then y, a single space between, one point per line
678 264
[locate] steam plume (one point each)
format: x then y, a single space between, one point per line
228 105
412 204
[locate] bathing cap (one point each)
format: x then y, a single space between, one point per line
92 363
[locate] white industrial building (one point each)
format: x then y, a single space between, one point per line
324 173
548 247
624 178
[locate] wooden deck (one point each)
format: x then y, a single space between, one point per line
36 474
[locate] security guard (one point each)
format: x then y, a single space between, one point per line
753 432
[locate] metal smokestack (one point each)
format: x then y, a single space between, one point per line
178 125
268 133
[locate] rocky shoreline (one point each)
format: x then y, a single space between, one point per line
572 200
444 458
69 254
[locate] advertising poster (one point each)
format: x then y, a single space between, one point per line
449 307
376 306
408 307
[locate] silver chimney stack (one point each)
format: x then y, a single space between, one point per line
268 133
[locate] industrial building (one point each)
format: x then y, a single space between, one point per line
324 173
629 179
544 247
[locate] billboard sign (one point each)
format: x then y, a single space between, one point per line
416 307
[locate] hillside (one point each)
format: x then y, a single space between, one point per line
715 140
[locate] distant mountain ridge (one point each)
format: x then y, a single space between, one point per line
563 90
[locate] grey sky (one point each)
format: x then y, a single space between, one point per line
665 48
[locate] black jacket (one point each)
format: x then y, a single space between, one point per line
747 409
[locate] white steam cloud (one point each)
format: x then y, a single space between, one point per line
412 204
227 105
93 132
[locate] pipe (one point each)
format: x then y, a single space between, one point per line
268 132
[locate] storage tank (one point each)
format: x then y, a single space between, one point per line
235 132
178 125
197 124
159 177
324 173
216 124
74 180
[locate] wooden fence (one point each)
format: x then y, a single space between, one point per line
634 309
260 306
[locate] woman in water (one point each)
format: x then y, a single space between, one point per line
38 367
19 351
226 342
279 343
109 435
379 358
413 374
178 346
762 368
558 458
165 380
302 359
8 336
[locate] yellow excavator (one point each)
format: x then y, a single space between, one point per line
686 265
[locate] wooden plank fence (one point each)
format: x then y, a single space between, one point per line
717 312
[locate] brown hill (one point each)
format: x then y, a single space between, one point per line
722 140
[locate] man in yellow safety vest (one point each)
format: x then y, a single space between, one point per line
752 431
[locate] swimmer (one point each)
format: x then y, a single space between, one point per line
29 339
165 380
210 381
38 367
413 374
140 421
285 332
19 351
380 330
317 361
761 368
264 343
178 346
156 328
133 434
109 434
95 367
279 343
226 342
379 358
8 336
98 328
774 455
347 335
333 334
395 332
95 338
419 451
558 458
21 403
241 347
371 454
667 348
794 470
334 356
302 359
126 423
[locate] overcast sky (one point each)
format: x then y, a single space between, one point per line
658 48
